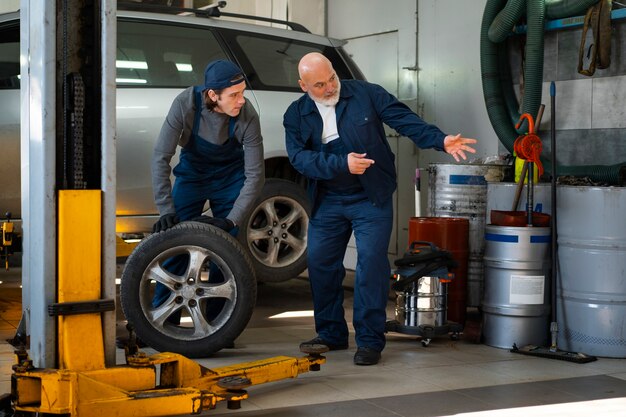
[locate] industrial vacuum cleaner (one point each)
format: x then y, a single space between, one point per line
421 284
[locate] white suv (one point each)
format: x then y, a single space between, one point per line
158 55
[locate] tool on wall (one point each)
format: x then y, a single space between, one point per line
598 17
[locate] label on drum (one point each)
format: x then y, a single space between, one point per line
467 180
526 289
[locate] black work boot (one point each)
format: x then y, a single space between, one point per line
319 345
366 356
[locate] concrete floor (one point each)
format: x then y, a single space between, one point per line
446 378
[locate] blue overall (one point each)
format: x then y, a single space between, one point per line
205 171
360 112
343 207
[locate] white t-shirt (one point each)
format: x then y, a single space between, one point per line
330 122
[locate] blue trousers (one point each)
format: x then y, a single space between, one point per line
330 228
189 199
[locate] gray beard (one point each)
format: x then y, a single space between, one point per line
331 101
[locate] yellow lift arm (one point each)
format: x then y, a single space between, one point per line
127 391
83 386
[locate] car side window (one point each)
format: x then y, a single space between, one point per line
10 57
161 55
271 63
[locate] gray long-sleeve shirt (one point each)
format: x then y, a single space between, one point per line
176 131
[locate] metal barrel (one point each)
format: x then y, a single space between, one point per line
450 234
516 306
422 303
591 286
500 196
460 190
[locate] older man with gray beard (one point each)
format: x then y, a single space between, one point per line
335 137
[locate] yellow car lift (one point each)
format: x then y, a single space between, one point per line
83 386
123 248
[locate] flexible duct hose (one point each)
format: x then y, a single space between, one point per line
498 18
558 9
492 78
500 29
533 69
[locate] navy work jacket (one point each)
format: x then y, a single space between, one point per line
361 111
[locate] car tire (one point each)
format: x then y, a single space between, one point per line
198 332
274 234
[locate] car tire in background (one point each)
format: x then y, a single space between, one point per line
274 234
209 304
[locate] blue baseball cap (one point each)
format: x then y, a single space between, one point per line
222 74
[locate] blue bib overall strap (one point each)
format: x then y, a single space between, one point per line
208 171
202 161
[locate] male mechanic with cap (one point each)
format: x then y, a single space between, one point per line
335 137
221 159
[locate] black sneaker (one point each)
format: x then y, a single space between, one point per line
366 356
319 345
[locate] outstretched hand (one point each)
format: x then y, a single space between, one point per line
457 146
358 163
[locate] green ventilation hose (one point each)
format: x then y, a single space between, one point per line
502 107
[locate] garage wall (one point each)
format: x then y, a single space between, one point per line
438 72
381 40
450 86
9 6
310 13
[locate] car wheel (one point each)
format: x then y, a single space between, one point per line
207 303
275 232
